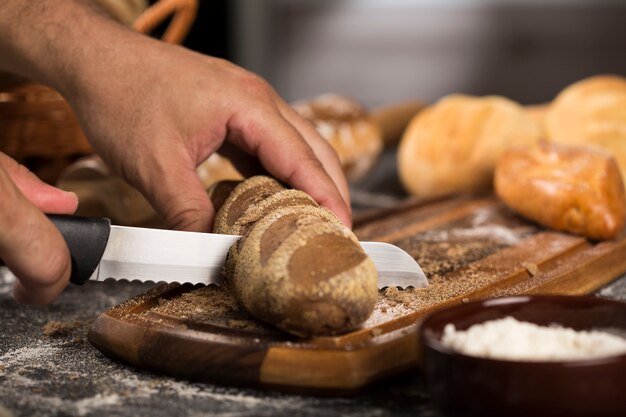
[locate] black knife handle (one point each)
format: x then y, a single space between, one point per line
86 238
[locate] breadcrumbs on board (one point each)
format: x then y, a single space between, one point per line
376 332
532 268
211 305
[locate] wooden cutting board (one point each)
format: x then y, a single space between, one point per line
469 247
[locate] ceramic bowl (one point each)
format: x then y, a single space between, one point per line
464 385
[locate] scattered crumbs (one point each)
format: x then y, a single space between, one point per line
209 305
532 268
55 328
376 332
2 367
465 300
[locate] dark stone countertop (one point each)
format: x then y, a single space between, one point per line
64 375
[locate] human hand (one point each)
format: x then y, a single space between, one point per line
30 245
155 111
155 115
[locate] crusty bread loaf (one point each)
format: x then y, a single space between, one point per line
346 125
296 266
591 112
575 189
304 274
453 145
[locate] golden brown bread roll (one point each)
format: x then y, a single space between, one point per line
347 127
575 189
296 266
538 113
453 145
591 112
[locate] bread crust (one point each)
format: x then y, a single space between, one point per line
574 189
453 146
305 273
591 112
296 266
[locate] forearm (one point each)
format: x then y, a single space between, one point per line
62 43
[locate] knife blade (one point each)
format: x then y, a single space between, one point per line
100 251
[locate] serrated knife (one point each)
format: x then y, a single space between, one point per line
100 251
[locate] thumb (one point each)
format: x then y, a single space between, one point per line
45 197
31 247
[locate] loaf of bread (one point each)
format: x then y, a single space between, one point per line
348 128
296 266
575 189
453 145
591 112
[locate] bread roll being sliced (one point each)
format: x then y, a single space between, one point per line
296 266
299 269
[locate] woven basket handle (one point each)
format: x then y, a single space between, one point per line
183 11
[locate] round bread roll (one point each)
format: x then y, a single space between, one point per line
346 125
591 112
302 271
571 188
453 145
538 113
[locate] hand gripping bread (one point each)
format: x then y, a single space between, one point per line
453 145
575 189
296 266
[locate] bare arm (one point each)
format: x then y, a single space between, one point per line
155 111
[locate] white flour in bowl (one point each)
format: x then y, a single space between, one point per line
511 339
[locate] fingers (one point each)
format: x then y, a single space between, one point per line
31 246
320 146
287 156
171 184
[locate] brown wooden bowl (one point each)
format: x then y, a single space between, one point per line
472 386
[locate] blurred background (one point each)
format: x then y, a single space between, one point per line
382 51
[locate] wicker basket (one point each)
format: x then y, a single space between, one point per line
38 127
